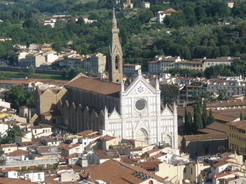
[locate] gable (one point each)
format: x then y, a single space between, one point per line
140 86
116 50
114 115
167 112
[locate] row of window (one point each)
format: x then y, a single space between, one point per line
237 137
237 129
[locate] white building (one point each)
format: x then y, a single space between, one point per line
161 64
141 116
41 130
235 85
146 4
130 69
218 61
34 176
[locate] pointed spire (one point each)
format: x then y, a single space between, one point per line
157 86
106 112
114 22
122 86
139 72
174 108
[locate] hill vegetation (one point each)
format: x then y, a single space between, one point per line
197 29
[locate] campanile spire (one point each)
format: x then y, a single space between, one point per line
116 56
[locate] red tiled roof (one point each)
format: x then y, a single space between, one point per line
112 171
16 153
150 164
107 138
205 136
228 103
14 181
94 85
238 124
68 146
153 151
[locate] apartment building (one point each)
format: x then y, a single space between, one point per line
98 62
194 65
131 69
218 61
234 85
162 63
237 137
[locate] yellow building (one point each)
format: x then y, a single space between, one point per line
237 137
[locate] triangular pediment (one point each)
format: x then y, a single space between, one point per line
140 86
167 112
114 115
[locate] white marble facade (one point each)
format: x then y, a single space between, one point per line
141 116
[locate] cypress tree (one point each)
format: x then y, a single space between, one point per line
197 118
241 116
189 124
204 115
210 117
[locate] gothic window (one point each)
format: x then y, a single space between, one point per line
117 61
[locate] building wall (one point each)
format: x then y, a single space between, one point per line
232 87
236 140
35 177
175 172
193 170
204 147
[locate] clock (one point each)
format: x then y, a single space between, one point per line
140 104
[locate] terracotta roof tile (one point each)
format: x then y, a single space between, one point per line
228 103
113 171
14 181
222 174
150 164
18 152
107 138
220 163
238 124
205 136
68 146
94 85
215 128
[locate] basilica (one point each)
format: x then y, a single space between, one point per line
130 111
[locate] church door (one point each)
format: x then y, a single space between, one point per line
142 135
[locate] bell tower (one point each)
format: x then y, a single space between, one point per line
115 54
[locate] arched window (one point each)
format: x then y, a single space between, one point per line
117 61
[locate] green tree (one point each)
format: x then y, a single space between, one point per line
210 117
197 118
241 116
169 93
188 122
224 50
81 21
204 115
12 132
18 13
16 97
30 23
200 13
222 94
91 73
57 46
31 70
64 73
71 72
144 17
